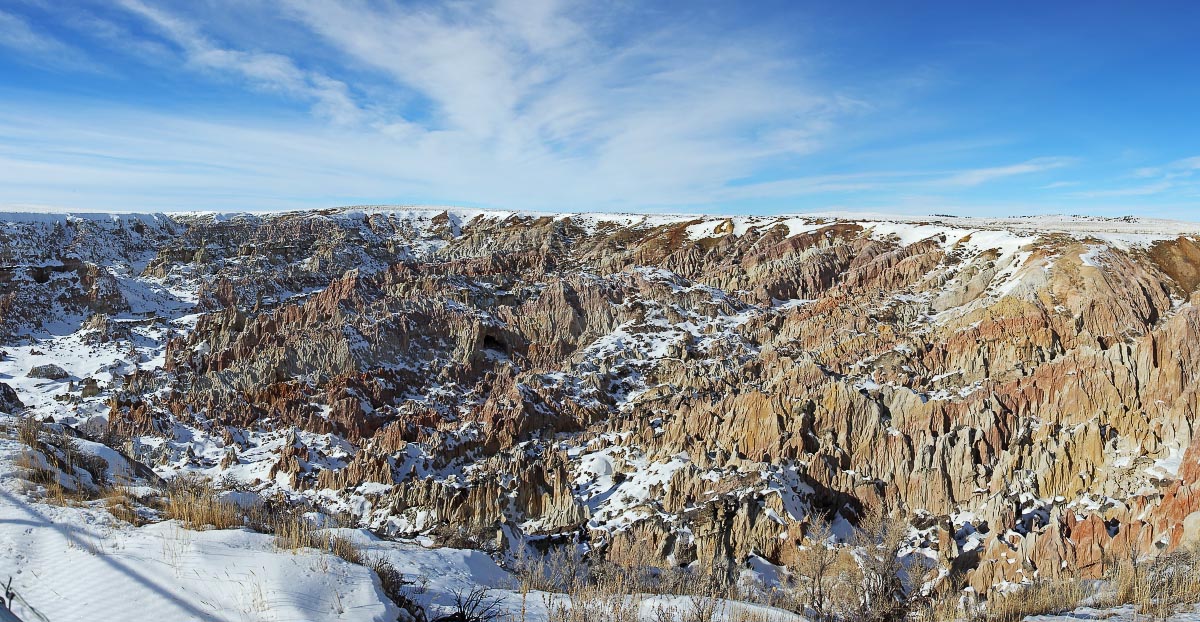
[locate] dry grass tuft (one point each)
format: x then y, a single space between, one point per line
346 549
194 502
48 479
292 531
123 506
1041 598
29 432
1158 586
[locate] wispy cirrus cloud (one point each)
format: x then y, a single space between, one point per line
540 104
1179 178
975 177
1142 190
40 48
527 102
529 82
1183 167
896 181
331 98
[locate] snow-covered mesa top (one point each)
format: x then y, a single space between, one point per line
1122 231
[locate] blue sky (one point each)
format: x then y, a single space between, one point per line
969 108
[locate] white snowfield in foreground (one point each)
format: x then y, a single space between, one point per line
74 563
82 564
1128 613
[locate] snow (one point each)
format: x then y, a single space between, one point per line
438 573
118 469
1126 613
1092 257
162 571
1167 467
51 216
107 363
79 563
1122 233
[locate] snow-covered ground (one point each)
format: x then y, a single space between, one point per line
81 563
1127 613
78 562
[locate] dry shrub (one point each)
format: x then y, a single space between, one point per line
193 501
33 470
1040 598
29 432
594 603
96 466
863 580
1158 586
476 605
560 570
52 460
393 580
945 602
878 540
477 537
577 592
825 573
55 493
572 591
123 506
393 583
758 616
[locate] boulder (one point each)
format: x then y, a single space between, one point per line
9 401
49 371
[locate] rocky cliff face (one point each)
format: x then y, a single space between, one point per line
1024 390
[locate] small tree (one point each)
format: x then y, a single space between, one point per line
816 565
878 541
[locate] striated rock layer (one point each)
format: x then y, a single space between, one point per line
1024 390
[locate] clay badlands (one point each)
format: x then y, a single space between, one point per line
377 413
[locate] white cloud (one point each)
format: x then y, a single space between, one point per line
524 93
1189 164
331 97
979 176
40 48
512 103
520 103
1178 177
1132 191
